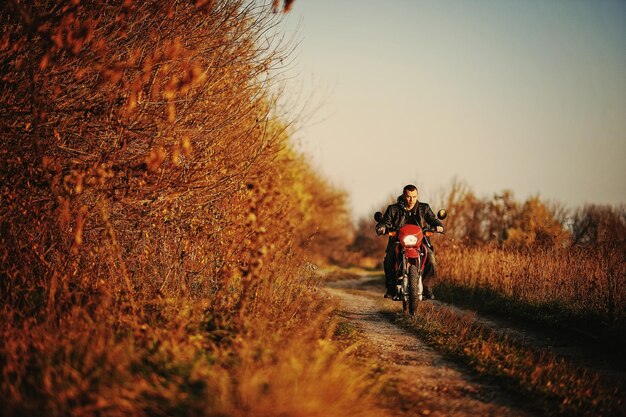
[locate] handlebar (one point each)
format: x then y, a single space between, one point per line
428 231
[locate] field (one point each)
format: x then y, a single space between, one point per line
161 237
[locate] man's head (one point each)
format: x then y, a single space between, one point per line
409 193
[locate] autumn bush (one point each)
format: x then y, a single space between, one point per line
155 222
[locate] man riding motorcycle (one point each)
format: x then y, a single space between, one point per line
407 210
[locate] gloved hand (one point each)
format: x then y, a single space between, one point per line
380 230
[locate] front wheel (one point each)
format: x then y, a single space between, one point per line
415 288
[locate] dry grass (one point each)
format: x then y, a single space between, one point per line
187 359
554 386
576 281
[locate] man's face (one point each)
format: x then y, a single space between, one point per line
411 198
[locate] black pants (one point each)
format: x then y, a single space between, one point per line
389 265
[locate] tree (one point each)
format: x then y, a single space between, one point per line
536 224
595 224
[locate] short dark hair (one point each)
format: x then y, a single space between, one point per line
409 187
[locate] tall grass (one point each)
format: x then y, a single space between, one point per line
577 281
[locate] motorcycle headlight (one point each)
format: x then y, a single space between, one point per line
410 240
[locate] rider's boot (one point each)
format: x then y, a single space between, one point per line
391 288
428 294
429 277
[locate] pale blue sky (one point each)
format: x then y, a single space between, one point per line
524 95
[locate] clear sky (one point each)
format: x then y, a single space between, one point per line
524 95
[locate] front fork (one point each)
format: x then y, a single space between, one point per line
420 285
402 280
402 283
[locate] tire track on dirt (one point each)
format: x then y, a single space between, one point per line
426 383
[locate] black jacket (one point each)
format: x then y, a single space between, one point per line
397 216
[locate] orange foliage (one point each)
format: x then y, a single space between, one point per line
151 219
502 220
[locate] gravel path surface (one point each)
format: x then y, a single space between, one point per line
425 382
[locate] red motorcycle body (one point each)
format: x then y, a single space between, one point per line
410 248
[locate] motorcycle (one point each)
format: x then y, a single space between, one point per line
411 260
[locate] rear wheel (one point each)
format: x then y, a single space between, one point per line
415 288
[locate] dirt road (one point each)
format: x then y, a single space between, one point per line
423 382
